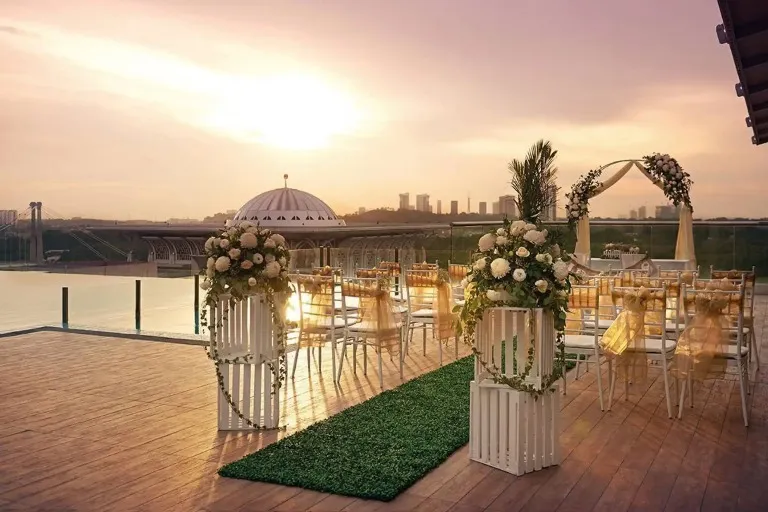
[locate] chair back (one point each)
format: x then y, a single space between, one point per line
715 298
649 303
367 305
457 272
582 302
750 280
421 289
316 302
424 266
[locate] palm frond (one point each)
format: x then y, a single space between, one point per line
534 180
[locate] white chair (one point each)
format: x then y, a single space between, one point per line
581 336
369 323
750 280
422 295
319 322
655 347
731 303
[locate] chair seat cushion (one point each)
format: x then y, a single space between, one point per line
423 313
368 327
653 345
321 324
579 341
730 351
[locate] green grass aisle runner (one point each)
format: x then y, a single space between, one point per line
376 449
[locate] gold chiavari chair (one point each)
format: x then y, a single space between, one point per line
457 273
750 282
606 313
430 304
714 334
375 320
396 273
319 321
425 266
637 336
582 336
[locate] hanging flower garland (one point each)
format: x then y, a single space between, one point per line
581 192
673 179
518 265
245 260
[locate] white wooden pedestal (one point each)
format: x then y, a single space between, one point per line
509 429
246 328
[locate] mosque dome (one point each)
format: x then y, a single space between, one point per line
288 207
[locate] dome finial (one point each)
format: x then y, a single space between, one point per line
285 177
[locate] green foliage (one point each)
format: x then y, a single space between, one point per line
377 449
534 179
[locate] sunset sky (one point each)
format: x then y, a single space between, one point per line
169 108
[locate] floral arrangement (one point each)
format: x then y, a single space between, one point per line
675 181
518 265
581 192
246 260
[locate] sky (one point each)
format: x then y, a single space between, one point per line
152 109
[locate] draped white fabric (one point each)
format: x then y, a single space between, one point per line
684 249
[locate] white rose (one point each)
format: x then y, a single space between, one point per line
252 281
517 228
278 239
530 227
210 262
209 244
205 284
549 259
501 241
270 244
679 175
522 252
252 231
555 250
499 268
248 240
541 257
269 258
224 244
493 295
282 261
234 253
258 258
216 242
562 294
659 162
501 232
486 242
560 269
272 269
246 224
481 263
231 231
222 264
246 265
535 237
541 285
519 275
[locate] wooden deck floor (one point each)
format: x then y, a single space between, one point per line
90 423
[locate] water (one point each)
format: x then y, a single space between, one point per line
32 299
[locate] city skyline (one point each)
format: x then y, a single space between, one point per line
157 109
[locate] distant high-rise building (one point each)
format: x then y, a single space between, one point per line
482 208
495 208
8 217
508 206
454 207
469 207
633 214
551 211
361 210
422 202
666 212
642 213
405 201
439 207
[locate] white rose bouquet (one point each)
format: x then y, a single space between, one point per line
579 196
518 265
243 260
674 180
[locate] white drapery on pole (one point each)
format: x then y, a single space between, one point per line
684 249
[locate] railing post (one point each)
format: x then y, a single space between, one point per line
65 307
197 303
138 305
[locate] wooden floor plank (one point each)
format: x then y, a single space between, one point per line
140 434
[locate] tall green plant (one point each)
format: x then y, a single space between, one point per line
534 181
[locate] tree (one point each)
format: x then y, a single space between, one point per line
534 181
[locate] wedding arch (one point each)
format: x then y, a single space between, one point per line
663 171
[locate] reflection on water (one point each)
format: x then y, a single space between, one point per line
29 299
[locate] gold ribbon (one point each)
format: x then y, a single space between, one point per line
442 304
326 271
424 266
625 338
317 309
706 335
373 272
376 312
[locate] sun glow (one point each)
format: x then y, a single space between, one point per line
291 111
